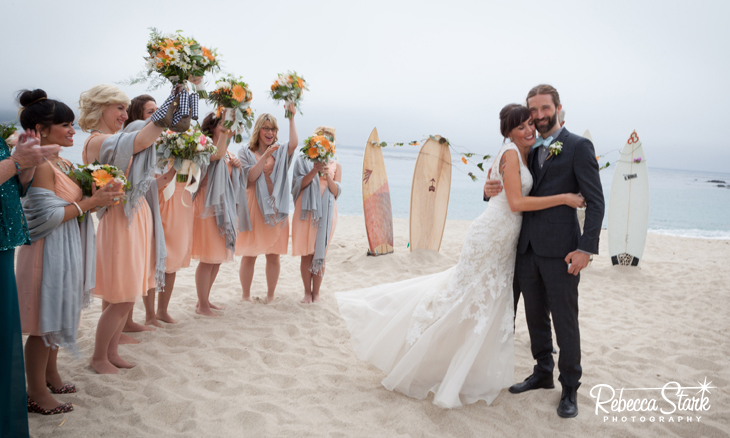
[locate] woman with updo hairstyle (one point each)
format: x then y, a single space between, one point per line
263 201
130 242
315 188
214 227
141 108
58 267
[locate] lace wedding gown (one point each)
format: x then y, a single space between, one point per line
449 333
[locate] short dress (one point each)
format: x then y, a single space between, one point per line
303 234
262 239
208 244
177 215
125 254
30 262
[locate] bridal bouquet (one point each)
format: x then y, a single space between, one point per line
100 175
289 88
175 57
232 99
319 148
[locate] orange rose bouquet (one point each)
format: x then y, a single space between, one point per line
232 99
176 58
289 88
320 147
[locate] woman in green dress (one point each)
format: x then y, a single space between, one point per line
16 173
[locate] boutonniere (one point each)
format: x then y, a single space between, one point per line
555 148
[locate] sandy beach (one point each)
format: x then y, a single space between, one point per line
287 369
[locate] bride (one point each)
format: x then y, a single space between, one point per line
451 333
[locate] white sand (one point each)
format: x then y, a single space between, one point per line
287 369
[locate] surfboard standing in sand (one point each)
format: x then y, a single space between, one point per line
430 194
628 205
376 198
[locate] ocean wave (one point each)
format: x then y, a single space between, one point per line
693 233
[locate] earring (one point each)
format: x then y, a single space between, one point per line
44 135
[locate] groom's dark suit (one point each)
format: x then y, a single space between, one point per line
547 236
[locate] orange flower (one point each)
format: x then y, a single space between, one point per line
249 96
248 111
321 139
463 160
239 93
207 53
312 152
102 177
598 158
218 112
274 86
290 79
300 82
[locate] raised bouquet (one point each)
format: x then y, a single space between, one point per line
176 58
289 88
185 151
232 98
319 148
100 175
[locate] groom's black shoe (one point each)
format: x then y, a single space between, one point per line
533 382
568 407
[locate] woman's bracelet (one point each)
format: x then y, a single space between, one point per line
81 212
17 165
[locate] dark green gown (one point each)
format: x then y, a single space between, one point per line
13 232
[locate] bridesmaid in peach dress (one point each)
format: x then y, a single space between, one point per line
44 205
209 239
128 261
263 201
306 227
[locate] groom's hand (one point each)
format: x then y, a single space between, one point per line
577 261
492 188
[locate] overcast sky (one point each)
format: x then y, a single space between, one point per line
414 68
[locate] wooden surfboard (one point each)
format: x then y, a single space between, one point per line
376 199
628 205
430 192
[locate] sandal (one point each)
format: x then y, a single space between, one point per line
68 388
60 409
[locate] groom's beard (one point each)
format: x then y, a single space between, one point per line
551 121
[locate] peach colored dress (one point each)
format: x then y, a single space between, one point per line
208 244
303 234
262 239
30 262
177 221
125 255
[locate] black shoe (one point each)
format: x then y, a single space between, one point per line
568 407
533 382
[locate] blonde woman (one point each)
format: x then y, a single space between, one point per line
263 201
130 242
315 214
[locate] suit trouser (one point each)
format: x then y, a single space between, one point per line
548 288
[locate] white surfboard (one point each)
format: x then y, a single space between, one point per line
587 135
628 205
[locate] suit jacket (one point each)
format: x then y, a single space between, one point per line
554 232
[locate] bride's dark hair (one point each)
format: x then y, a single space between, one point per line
512 116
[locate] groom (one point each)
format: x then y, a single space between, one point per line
551 251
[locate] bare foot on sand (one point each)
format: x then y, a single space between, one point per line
103 367
269 298
247 299
211 305
307 299
154 322
119 362
134 327
165 317
315 297
206 312
126 339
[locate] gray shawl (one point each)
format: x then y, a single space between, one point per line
220 201
117 150
274 208
315 208
69 265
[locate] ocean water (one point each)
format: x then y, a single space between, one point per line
682 202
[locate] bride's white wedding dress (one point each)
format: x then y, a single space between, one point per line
449 333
